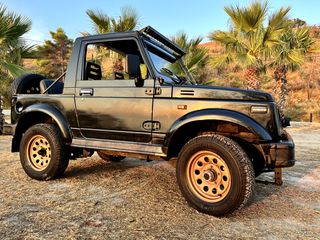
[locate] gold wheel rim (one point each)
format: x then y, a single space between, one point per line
39 152
208 176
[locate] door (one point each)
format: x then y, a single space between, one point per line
114 96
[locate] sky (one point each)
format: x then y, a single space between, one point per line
197 18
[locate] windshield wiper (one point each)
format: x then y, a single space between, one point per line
173 77
184 68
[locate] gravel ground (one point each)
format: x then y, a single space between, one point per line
140 200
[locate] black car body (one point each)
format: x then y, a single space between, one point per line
151 118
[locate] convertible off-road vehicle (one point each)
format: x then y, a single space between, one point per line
129 94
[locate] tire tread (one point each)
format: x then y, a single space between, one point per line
62 153
244 162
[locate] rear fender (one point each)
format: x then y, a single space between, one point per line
28 118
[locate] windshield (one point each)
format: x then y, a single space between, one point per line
172 69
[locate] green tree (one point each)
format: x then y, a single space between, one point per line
288 56
102 23
196 57
54 55
13 48
251 39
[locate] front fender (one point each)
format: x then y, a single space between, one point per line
51 111
219 115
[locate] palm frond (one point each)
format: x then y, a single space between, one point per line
12 46
235 14
278 24
196 57
222 37
128 20
246 59
13 70
101 21
252 17
222 60
12 27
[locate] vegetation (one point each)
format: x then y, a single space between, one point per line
289 55
12 47
303 84
250 41
196 57
280 45
261 50
54 55
102 23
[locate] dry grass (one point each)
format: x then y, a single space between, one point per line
139 200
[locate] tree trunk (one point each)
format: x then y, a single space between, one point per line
252 78
276 92
280 75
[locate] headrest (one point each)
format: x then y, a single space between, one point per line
93 71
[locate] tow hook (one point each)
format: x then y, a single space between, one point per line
278 176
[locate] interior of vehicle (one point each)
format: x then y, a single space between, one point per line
114 60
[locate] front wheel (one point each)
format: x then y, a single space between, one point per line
43 154
215 175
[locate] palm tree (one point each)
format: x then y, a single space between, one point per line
12 47
55 54
289 55
102 23
196 57
250 41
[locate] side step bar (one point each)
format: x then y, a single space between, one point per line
120 146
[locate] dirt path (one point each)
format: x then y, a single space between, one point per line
139 200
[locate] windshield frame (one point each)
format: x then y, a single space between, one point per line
158 46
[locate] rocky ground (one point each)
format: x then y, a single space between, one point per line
135 199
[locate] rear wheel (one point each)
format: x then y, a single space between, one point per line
215 175
43 154
111 158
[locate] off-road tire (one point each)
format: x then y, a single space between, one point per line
26 84
111 158
59 152
234 159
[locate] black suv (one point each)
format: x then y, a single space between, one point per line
129 94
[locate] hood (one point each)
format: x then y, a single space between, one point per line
220 93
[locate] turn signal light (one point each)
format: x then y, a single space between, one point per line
259 109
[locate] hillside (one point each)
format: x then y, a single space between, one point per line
303 85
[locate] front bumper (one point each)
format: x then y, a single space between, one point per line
279 154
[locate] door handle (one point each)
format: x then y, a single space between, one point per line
86 91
